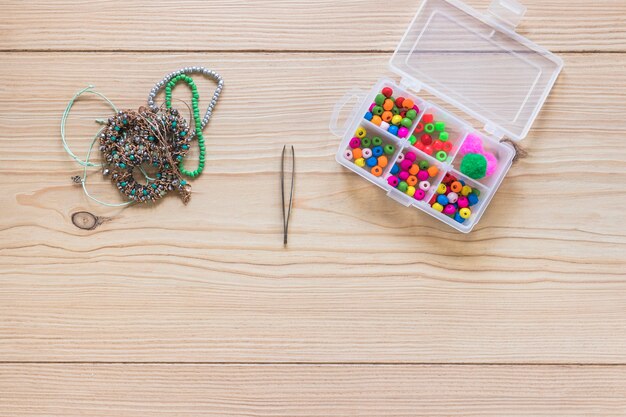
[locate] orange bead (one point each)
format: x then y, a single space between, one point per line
432 171
408 103
412 180
382 161
387 116
388 104
357 153
456 186
377 171
414 169
376 120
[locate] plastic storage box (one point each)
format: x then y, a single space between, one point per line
474 62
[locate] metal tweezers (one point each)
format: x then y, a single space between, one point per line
287 209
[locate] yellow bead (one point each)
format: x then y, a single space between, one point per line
442 189
466 190
360 162
410 191
395 120
438 207
465 213
360 133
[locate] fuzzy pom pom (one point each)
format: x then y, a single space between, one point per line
472 144
474 165
492 163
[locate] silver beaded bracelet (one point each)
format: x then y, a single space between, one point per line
190 70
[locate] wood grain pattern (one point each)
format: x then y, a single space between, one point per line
270 25
373 309
363 279
307 391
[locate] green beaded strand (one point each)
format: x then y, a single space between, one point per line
196 115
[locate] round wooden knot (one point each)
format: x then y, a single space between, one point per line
85 220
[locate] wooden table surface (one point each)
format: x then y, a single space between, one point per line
373 309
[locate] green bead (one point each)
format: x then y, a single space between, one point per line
412 139
378 110
440 126
380 99
429 128
476 191
389 149
411 114
444 136
441 156
366 142
474 165
406 122
403 186
395 110
424 165
377 141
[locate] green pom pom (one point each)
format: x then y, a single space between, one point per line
474 165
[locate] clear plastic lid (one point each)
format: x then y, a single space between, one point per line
478 63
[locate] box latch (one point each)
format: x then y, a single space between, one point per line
508 12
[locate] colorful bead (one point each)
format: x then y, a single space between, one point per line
424 185
368 116
444 136
355 143
426 139
429 128
433 171
419 194
465 213
366 142
458 218
473 199
449 209
447 147
400 157
410 191
377 151
441 156
406 122
389 149
408 103
360 133
376 120
367 153
387 92
412 140
453 197
396 120
377 141
403 186
442 199
403 132
377 171
428 118
382 161
466 190
393 130
422 175
371 162
384 125
424 165
360 162
387 116
348 155
388 104
414 170
403 175
462 202
394 169
380 99
357 153
411 114
378 111
442 188
440 126
406 163
410 156
438 207
456 186
393 181
399 101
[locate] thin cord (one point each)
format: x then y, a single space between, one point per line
85 164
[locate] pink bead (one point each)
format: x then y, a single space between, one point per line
472 144
406 164
404 175
372 107
462 202
410 156
419 194
492 163
449 209
403 132
393 181
355 143
422 175
424 185
400 158
348 154
453 197
417 109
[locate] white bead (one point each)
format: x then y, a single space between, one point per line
367 153
424 185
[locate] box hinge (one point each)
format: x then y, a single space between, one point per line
507 12
411 84
494 131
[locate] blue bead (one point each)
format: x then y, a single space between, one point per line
150 138
179 157
462 183
113 138
372 162
117 128
183 133
183 182
132 157
377 151
154 186
368 116
473 200
174 123
145 192
185 147
132 192
124 183
442 199
395 169
458 218
393 130
122 165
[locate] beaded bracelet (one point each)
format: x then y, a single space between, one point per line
153 137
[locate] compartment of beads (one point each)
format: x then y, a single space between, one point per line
483 159
370 151
438 134
414 174
459 199
394 110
